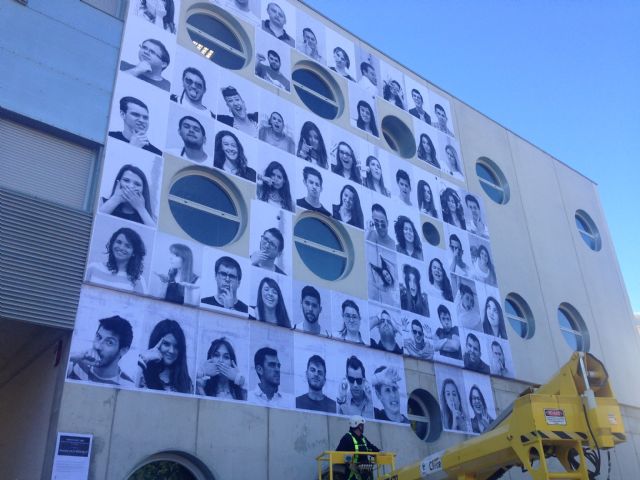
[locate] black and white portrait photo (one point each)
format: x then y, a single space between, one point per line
311 309
475 356
413 287
270 242
480 400
375 174
270 298
247 10
195 82
451 206
441 117
350 318
354 394
428 146
138 117
390 392
310 38
418 99
223 358
476 222
104 345
419 336
393 89
271 378
348 206
403 186
119 255
451 159
310 185
345 155
500 361
385 328
130 187
368 72
447 339
467 303
314 384
167 357
482 267
451 395
147 54
279 20
379 227
190 136
425 199
273 61
362 110
340 54
235 153
274 179
277 123
223 284
458 251
382 275
238 102
311 139
439 282
161 13
176 270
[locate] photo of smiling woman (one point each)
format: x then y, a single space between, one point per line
270 305
346 162
439 281
123 267
425 199
366 119
229 156
130 198
164 365
374 179
349 210
481 419
427 151
218 375
407 238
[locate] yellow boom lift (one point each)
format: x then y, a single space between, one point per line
573 413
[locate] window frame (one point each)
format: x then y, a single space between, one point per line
499 183
523 315
341 236
329 82
577 328
225 185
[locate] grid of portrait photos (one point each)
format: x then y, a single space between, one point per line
169 312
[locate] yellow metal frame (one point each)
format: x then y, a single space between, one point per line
382 460
575 409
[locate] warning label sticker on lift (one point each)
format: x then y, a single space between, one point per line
555 416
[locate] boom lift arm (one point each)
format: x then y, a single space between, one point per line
575 409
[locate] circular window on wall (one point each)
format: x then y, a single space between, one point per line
519 315
218 37
398 136
573 328
317 90
207 208
322 248
171 465
423 412
588 230
492 180
431 233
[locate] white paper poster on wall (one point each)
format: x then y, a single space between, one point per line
72 457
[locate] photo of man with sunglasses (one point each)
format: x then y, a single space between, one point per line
354 393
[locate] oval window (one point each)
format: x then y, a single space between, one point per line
320 248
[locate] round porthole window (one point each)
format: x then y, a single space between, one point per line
573 328
423 412
398 136
492 180
431 233
588 230
318 91
322 248
206 208
218 37
519 315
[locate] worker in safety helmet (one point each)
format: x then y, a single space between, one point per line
355 441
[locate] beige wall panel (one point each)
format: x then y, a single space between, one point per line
514 259
225 431
611 321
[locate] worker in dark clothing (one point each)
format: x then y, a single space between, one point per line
355 441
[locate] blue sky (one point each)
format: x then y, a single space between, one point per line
563 74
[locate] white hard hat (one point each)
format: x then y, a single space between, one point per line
355 420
